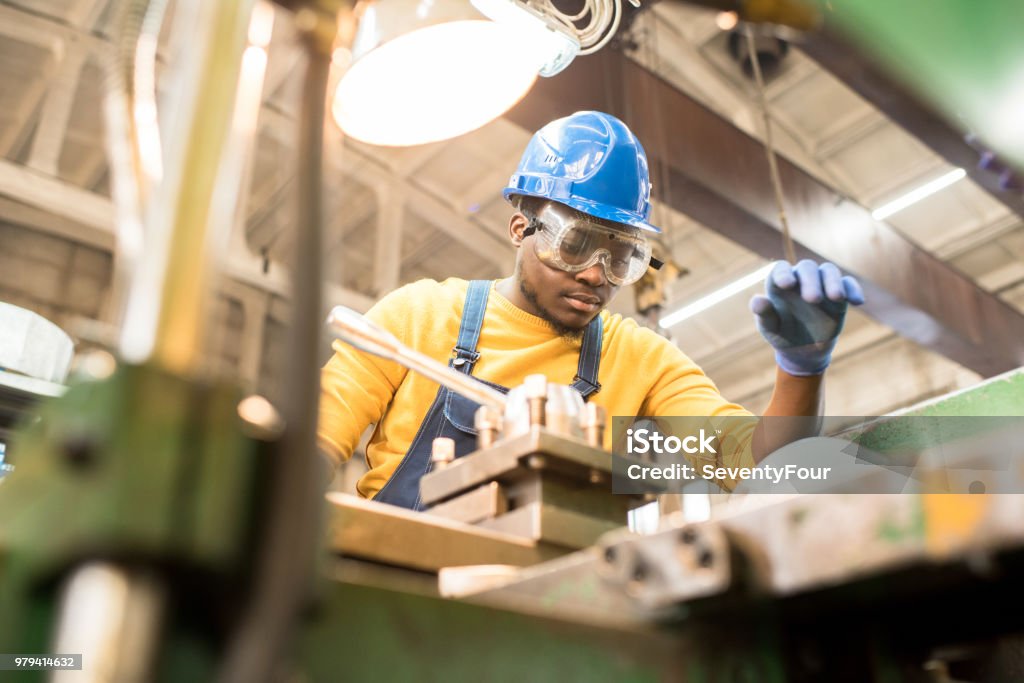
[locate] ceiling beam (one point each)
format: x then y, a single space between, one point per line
93 225
366 169
48 142
896 101
719 176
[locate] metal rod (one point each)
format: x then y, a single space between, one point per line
287 554
165 308
112 616
353 328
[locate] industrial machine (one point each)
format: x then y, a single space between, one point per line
167 527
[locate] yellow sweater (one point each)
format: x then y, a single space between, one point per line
641 372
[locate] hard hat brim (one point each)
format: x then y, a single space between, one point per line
591 208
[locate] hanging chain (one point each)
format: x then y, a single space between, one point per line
769 148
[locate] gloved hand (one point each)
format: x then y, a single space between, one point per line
803 313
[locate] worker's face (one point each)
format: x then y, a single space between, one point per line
568 301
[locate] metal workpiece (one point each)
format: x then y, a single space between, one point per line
566 511
390 535
541 485
506 460
355 329
480 504
563 527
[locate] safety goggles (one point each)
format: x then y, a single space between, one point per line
571 243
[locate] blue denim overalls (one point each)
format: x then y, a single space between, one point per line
451 415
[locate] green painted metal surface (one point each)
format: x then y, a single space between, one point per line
964 56
373 634
142 468
975 410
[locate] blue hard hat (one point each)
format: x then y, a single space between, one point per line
592 162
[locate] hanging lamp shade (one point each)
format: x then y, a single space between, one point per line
428 71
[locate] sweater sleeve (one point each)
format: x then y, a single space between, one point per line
682 389
357 387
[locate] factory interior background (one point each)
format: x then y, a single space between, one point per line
395 215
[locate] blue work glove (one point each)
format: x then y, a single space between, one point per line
803 313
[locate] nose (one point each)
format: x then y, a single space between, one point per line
593 276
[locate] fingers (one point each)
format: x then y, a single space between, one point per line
853 290
832 281
768 317
810 281
782 275
816 282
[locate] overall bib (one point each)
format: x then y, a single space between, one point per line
451 415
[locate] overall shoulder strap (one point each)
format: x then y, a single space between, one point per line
464 355
585 381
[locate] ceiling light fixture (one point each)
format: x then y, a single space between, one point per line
424 71
719 295
914 196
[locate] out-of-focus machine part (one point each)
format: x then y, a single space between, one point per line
964 59
148 483
35 356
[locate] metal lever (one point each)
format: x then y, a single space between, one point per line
353 328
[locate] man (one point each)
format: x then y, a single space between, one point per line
582 194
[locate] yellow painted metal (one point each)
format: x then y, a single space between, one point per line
185 288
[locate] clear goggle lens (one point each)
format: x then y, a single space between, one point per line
566 242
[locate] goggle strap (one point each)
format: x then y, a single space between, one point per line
534 226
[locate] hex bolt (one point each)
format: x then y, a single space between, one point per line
536 462
442 452
536 389
592 421
487 421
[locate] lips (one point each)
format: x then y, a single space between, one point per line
586 303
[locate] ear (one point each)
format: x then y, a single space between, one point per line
516 225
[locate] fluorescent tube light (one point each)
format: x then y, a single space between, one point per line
715 297
914 196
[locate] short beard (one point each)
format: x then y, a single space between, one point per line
573 334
